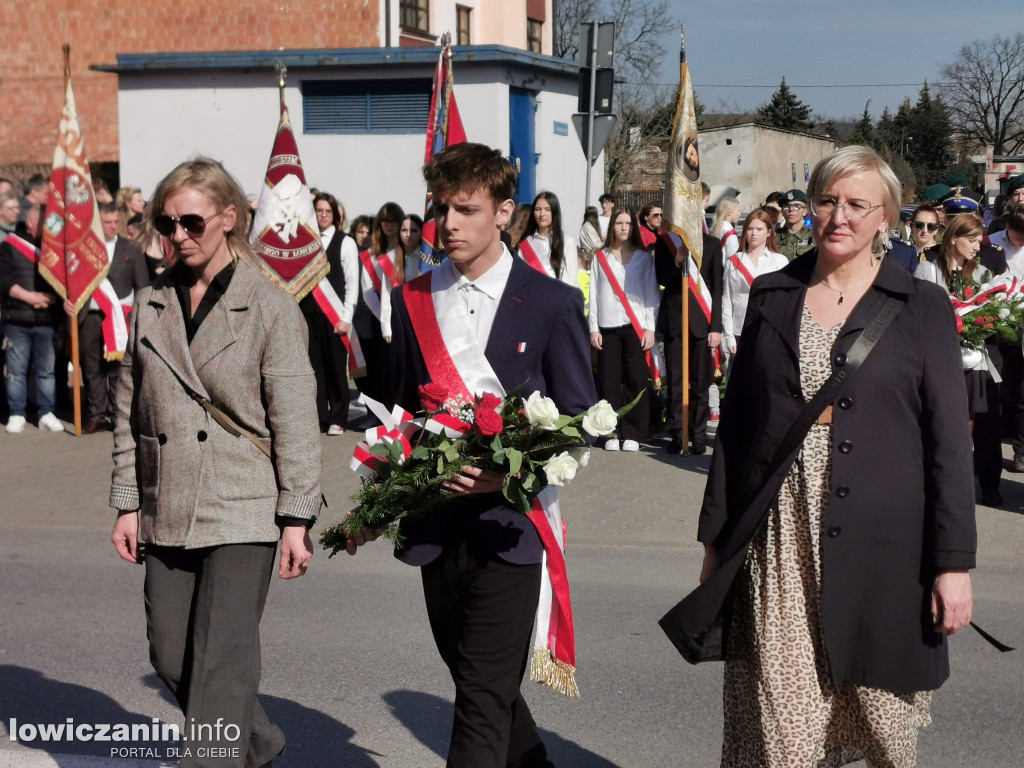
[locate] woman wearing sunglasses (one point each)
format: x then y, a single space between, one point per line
216 459
924 230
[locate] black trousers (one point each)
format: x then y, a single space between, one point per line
481 612
987 436
99 375
701 376
329 358
377 353
621 376
203 611
1013 393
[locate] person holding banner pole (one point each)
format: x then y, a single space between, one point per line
623 307
327 352
758 255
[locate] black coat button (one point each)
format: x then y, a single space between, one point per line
161 438
846 402
201 437
833 532
845 447
841 358
842 491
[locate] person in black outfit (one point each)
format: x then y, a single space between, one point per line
705 334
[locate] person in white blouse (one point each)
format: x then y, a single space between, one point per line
958 263
621 346
327 352
759 255
545 246
724 226
388 259
412 243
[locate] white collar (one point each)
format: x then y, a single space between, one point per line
492 282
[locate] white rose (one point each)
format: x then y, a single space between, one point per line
1004 313
541 411
560 469
582 456
600 420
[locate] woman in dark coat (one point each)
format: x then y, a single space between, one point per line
858 570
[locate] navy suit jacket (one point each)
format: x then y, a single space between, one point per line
543 317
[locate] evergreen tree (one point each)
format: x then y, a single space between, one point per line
864 132
885 130
931 152
785 110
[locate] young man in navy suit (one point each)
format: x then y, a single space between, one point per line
481 561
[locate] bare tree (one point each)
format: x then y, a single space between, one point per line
984 91
638 57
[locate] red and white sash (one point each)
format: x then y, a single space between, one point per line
727 235
327 299
456 361
115 327
371 269
530 256
698 286
655 361
742 269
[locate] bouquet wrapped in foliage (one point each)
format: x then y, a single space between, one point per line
995 308
407 462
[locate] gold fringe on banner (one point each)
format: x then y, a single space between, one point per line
553 673
113 357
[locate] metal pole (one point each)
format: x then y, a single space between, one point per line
590 107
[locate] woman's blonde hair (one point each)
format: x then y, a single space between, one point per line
209 177
726 207
857 159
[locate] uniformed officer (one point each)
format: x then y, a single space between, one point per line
795 237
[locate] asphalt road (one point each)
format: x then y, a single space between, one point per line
350 671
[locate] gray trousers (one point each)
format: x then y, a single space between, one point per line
203 610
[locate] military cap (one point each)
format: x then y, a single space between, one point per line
794 196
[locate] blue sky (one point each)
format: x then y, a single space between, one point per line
822 42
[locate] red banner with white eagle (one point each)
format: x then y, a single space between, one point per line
284 233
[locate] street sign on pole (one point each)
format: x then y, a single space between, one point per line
605 48
603 127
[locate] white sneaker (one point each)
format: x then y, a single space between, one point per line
611 445
335 429
630 445
16 425
50 423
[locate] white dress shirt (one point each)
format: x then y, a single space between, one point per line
570 259
480 297
349 268
1014 255
731 244
640 285
736 292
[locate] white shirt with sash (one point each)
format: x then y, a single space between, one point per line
570 258
640 285
736 289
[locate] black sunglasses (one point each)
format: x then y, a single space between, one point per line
931 227
192 223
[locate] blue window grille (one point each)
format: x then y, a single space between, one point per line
366 106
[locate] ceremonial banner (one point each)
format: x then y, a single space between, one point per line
443 130
73 258
682 209
284 233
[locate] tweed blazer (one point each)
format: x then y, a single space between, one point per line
194 483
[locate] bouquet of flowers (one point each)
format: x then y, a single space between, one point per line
407 462
995 308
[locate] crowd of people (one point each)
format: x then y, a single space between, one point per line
780 301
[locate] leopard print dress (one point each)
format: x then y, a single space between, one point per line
782 709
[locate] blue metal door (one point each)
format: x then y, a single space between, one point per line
522 108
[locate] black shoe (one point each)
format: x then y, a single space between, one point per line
1018 462
698 449
675 445
991 498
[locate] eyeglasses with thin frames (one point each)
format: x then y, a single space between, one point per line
931 226
824 207
192 223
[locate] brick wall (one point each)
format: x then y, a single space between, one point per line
31 64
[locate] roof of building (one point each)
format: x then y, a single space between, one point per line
334 57
762 126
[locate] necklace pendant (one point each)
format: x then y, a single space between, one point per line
840 299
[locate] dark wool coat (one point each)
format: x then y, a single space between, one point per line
901 502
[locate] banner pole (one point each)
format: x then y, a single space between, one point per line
686 350
76 376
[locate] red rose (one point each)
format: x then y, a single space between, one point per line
488 422
489 401
989 325
968 291
433 396
979 321
959 324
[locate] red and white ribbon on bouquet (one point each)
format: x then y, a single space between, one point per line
396 427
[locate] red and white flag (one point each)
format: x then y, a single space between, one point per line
73 258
